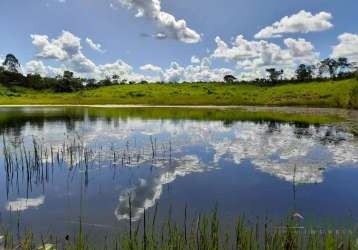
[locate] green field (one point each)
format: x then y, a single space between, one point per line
343 94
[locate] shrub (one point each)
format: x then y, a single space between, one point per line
353 103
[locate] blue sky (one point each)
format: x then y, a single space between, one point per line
131 39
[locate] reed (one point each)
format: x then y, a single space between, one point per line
205 232
32 162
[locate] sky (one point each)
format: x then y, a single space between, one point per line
175 40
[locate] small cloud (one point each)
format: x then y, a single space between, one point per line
95 46
195 60
160 36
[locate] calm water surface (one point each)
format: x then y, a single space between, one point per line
97 161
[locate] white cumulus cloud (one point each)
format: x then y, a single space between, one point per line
195 60
65 49
301 22
38 67
169 25
347 47
151 68
120 68
299 47
255 56
198 72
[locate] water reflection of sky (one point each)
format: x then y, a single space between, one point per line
243 166
275 150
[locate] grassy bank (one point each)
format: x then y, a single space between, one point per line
343 94
201 233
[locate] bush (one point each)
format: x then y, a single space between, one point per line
135 94
353 103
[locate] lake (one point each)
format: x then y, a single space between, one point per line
60 165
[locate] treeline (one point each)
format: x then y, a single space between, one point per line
10 75
328 69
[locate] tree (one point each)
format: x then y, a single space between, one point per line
230 78
115 78
10 71
35 81
330 66
124 81
11 63
274 74
355 69
68 75
68 83
91 83
305 72
343 66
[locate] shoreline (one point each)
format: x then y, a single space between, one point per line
175 106
350 115
253 108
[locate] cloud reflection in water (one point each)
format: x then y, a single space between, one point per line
275 149
22 204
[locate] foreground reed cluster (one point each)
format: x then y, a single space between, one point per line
201 233
32 162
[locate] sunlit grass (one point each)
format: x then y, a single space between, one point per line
316 94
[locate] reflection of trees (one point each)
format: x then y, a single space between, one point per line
13 121
300 130
228 124
272 127
332 135
70 124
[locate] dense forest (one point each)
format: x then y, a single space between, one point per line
328 69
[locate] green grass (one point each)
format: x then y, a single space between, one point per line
343 94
